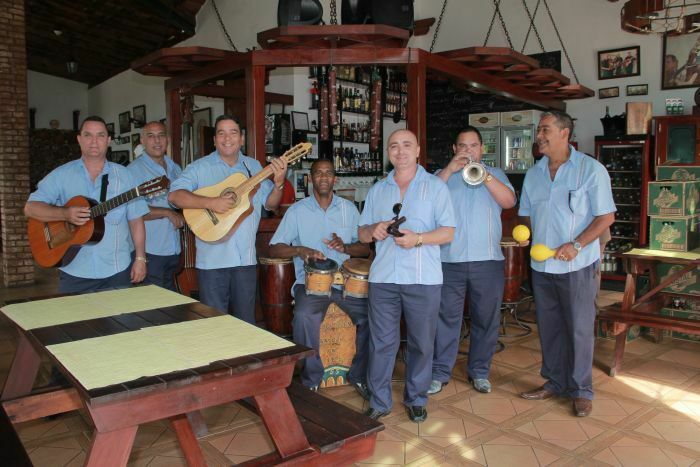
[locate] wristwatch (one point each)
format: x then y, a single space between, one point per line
577 246
419 242
488 178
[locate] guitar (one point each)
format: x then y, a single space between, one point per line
54 241
212 227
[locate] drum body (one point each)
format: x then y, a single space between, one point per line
320 275
513 269
336 346
355 277
276 280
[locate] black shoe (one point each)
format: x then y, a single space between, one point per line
362 390
417 413
375 414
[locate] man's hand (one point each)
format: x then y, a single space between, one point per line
279 170
138 271
565 252
306 253
336 243
76 215
409 239
379 232
458 162
221 204
176 219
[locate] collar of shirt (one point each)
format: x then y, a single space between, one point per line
420 174
574 160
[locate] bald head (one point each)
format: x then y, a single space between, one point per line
403 149
154 137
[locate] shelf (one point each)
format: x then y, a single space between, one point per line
626 222
626 188
359 174
628 205
624 238
354 83
345 141
625 171
353 112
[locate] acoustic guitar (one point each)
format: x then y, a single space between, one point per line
54 241
212 227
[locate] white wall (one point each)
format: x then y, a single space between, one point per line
56 98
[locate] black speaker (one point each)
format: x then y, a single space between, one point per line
397 13
299 12
354 11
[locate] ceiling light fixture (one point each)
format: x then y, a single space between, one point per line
671 17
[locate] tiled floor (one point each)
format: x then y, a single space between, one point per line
647 416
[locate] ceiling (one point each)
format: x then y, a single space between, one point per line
102 36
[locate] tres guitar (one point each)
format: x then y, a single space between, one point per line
212 227
54 241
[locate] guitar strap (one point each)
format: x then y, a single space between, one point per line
103 193
247 169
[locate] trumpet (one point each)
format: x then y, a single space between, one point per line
474 173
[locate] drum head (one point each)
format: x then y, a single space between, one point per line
321 266
357 266
263 260
508 241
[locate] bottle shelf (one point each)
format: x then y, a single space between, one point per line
624 171
626 188
623 238
621 221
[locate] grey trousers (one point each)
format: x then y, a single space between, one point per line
161 270
230 290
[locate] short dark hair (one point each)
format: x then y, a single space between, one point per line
317 162
92 118
223 117
562 119
469 129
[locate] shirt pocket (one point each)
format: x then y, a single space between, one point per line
578 202
420 216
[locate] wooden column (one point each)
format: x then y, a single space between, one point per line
415 115
174 120
255 111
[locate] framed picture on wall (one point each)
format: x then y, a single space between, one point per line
638 90
139 116
606 93
300 121
200 118
124 122
680 66
110 130
135 141
120 157
618 63
313 139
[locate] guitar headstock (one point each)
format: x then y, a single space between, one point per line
154 187
297 152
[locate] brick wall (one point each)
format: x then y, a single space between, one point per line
17 263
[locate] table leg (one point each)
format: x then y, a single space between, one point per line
282 423
198 424
23 371
111 448
620 341
188 442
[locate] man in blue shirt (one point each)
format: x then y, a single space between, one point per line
406 273
568 201
473 263
323 226
226 271
104 265
162 237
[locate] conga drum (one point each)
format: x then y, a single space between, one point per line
356 277
513 253
320 276
276 280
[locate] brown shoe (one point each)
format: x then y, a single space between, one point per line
538 394
582 407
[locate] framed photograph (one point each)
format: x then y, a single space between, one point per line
679 65
300 121
637 89
201 118
120 157
139 116
313 139
606 93
110 130
135 141
126 139
124 122
618 63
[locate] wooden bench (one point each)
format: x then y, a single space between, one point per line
338 434
12 451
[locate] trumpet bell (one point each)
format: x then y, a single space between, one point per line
474 173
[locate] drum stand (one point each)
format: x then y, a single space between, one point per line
511 308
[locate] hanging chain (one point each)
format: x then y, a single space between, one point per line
334 13
488 33
503 24
566 54
532 26
437 28
221 22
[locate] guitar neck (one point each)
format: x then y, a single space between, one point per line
290 156
112 203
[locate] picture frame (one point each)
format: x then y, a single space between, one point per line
119 157
679 65
637 89
607 93
110 129
313 139
619 63
300 121
135 141
124 122
139 114
200 118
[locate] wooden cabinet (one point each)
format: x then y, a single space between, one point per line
677 140
627 159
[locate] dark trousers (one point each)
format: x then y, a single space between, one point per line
565 305
230 290
309 311
161 270
420 305
483 281
73 284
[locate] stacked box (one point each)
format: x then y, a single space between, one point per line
676 173
682 313
674 199
687 284
674 233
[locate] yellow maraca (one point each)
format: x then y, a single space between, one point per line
521 233
540 252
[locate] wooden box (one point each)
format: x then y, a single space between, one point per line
688 283
682 314
605 330
680 174
674 233
638 118
670 198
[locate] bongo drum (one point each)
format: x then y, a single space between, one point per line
513 269
355 277
320 275
276 280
